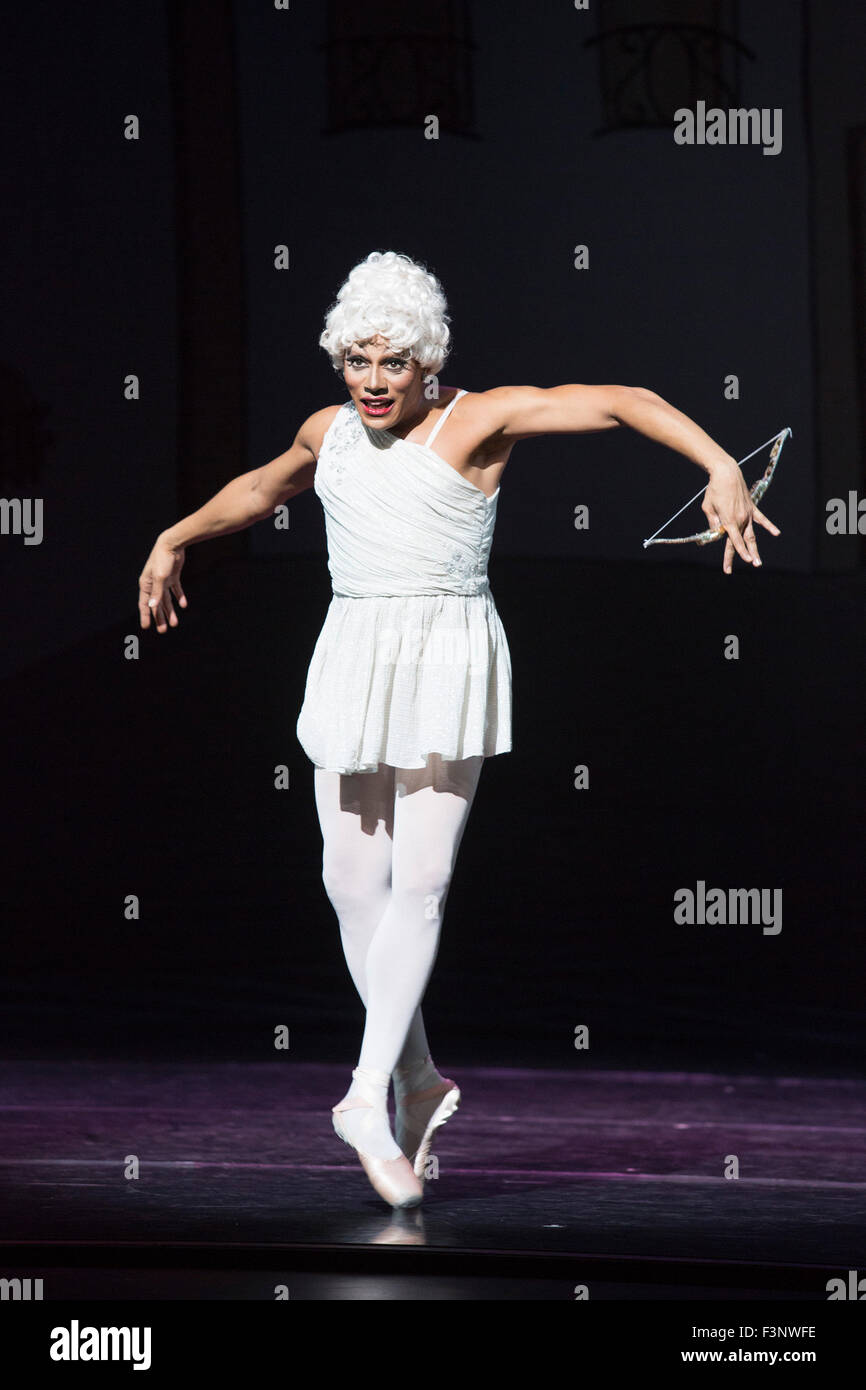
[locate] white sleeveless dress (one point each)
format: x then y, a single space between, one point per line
412 658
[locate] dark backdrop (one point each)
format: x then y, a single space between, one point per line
149 770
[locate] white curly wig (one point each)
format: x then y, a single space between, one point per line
394 296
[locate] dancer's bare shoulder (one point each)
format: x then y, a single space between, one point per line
473 442
316 426
295 470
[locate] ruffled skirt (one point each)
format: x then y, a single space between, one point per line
394 679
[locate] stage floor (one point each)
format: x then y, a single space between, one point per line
547 1180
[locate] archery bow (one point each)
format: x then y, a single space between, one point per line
756 492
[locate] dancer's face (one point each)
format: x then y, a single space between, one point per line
374 371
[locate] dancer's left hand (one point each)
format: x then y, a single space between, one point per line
727 504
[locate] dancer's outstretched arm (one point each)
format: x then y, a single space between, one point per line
249 498
521 412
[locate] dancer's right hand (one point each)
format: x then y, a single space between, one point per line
159 579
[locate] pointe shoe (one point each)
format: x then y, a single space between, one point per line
419 1115
392 1178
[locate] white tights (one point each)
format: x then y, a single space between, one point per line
390 842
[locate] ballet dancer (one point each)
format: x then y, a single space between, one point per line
409 685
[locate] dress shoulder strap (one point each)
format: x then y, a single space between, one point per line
442 418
